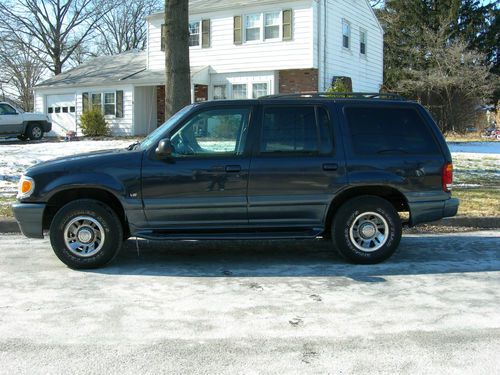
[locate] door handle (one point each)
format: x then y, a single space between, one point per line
233 168
330 167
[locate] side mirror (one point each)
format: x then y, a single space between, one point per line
165 148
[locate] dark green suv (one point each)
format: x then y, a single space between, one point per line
291 166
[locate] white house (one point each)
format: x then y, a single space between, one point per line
238 49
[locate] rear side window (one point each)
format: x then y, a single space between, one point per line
385 131
301 130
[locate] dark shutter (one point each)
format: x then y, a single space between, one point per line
287 24
205 34
85 102
238 29
163 36
119 104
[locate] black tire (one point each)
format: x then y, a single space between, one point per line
105 247
34 132
354 223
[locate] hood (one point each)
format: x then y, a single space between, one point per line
85 161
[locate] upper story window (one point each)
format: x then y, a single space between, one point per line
199 34
346 34
194 34
272 25
362 42
252 27
263 26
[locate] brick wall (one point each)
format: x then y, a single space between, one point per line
160 104
298 80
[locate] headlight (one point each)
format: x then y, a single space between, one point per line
25 188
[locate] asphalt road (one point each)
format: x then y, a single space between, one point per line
241 307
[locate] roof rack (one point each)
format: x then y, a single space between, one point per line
338 95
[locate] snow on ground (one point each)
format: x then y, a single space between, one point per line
476 163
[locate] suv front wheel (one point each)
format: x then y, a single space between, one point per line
86 234
366 230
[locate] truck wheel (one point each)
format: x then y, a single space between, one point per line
366 230
86 234
35 132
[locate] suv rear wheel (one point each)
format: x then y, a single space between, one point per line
366 230
35 132
86 234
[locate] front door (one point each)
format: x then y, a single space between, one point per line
11 122
297 167
204 183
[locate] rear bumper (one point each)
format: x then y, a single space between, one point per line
30 218
424 212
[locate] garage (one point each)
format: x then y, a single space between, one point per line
61 109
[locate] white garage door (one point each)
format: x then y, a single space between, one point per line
62 111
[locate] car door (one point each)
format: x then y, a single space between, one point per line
296 169
11 122
204 182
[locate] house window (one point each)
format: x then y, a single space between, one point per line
272 25
220 92
194 34
346 34
252 27
72 109
240 91
259 89
362 42
50 110
96 101
109 103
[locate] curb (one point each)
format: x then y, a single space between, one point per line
11 226
488 222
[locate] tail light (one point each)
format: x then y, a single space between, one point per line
447 177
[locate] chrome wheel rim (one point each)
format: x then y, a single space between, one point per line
37 132
369 232
84 236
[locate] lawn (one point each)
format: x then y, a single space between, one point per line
5 210
478 202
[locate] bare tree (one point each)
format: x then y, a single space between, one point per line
56 27
124 27
177 69
20 71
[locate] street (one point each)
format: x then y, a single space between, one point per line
267 307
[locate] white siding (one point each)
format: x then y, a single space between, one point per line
145 110
119 126
223 56
366 71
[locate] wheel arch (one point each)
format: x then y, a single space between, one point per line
392 195
63 197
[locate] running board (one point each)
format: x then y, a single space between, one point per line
267 235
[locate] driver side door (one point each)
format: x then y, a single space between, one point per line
10 121
203 184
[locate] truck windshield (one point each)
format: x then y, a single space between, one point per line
159 133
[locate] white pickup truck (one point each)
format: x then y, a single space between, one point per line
23 125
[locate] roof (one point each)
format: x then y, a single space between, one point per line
100 71
126 68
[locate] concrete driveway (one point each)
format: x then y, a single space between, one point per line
241 307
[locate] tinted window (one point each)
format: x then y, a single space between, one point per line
295 130
212 132
389 131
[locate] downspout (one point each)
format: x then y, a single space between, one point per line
325 84
318 43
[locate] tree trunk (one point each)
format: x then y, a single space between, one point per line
177 69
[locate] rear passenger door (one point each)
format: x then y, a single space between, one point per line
296 167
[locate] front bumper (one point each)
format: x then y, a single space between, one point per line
424 212
30 218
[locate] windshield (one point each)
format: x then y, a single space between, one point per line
159 133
